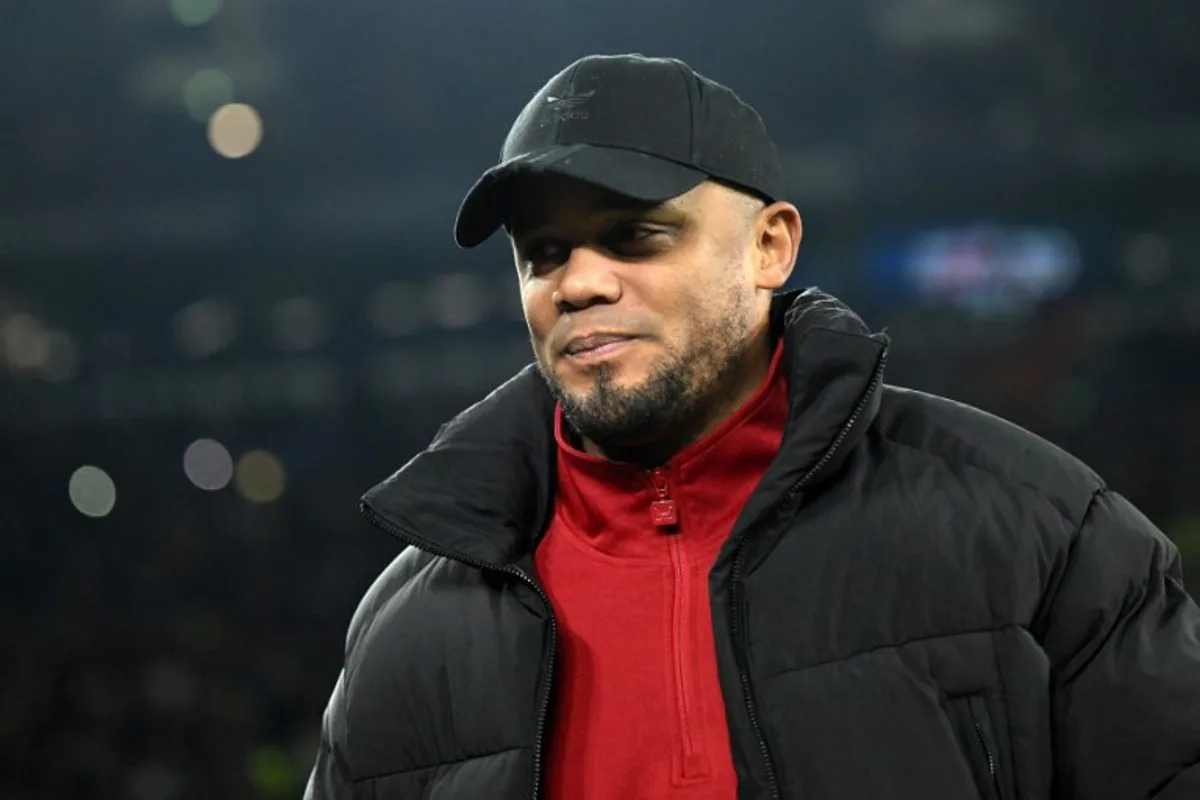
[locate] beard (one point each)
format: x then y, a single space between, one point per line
649 421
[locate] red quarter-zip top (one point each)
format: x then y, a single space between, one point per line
639 712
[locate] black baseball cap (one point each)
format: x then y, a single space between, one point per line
646 128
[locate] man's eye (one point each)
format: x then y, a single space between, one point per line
627 236
546 252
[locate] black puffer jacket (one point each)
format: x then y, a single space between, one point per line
920 601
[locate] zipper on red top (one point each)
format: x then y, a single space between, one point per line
689 765
662 510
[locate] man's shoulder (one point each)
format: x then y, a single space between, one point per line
966 438
388 584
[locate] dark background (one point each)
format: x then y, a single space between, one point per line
1009 186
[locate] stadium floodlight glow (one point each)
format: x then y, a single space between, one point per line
208 465
92 492
205 327
260 477
205 92
235 130
194 12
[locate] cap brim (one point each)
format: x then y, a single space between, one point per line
635 175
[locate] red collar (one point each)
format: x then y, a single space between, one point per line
622 510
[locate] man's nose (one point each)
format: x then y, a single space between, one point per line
589 277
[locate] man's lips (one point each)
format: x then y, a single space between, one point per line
596 345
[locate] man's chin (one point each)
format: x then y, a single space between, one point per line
602 389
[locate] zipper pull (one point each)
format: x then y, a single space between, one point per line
662 510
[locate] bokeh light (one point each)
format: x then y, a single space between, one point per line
298 324
457 300
205 92
235 130
205 327
260 477
25 342
194 12
62 358
92 491
208 465
394 309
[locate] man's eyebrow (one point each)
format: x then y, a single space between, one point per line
673 210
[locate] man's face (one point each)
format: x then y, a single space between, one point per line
640 317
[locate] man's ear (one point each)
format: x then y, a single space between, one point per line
777 240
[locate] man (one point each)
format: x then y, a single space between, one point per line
702 551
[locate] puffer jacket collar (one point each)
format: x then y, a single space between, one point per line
482 492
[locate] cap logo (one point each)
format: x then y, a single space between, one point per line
569 100
567 107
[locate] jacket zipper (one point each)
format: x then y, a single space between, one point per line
664 515
681 600
548 663
984 740
737 628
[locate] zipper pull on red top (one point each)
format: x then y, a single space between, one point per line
662 510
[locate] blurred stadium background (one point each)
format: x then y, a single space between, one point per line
229 303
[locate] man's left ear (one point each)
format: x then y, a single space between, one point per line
779 232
